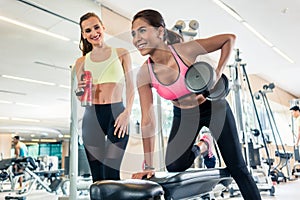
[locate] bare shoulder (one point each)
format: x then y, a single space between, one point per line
80 60
79 63
122 51
187 51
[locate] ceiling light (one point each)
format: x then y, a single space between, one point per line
29 129
4 118
24 119
27 104
27 79
33 28
12 92
65 86
250 28
234 14
51 65
229 10
6 102
282 54
48 140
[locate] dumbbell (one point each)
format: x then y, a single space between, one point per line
199 79
80 91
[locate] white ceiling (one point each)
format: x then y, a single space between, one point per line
22 49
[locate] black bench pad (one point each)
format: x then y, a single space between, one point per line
192 182
130 189
177 185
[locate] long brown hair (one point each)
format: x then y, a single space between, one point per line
84 45
155 19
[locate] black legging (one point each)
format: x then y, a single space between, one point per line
218 117
104 150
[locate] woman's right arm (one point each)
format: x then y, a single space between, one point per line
79 68
147 111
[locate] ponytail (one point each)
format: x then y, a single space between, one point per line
173 37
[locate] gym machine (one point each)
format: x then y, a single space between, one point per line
284 156
237 75
27 166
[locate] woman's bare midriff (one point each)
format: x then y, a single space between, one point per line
107 93
189 101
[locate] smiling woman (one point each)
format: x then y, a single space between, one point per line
110 72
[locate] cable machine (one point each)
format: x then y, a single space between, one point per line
284 157
237 74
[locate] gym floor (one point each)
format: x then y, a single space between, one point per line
283 191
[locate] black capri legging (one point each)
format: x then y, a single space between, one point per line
218 117
104 150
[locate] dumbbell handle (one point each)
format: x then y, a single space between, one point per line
80 91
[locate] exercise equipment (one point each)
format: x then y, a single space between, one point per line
200 79
296 167
190 184
27 166
261 176
131 189
284 156
84 179
6 175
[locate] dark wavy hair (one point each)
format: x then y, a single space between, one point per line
155 19
84 45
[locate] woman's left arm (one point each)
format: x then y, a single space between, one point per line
122 121
223 42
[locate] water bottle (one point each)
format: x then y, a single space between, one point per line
86 98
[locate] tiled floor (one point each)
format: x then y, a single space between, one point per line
283 191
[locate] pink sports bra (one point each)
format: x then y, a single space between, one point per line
175 90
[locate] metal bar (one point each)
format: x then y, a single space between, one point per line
48 11
73 173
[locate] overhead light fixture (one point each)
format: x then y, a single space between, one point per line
51 65
282 54
229 10
4 118
27 104
24 119
48 140
67 136
257 34
65 86
234 14
19 104
39 30
6 102
28 80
